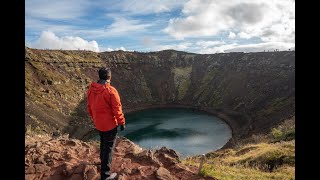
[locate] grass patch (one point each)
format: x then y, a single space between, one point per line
272 158
264 156
224 172
35 127
284 132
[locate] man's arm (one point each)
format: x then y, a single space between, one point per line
117 106
89 106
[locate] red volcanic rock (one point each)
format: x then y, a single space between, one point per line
164 174
65 158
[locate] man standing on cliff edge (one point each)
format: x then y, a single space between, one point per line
105 109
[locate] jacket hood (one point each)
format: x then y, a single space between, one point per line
97 88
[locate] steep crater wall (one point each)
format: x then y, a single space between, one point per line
250 91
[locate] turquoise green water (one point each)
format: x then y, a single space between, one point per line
186 131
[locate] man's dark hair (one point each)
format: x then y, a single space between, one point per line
104 73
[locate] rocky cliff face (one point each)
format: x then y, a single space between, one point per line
251 91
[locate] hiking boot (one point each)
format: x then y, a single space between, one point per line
112 176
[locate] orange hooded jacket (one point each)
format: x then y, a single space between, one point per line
104 106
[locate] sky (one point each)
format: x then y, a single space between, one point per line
197 26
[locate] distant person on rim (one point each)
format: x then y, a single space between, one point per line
105 109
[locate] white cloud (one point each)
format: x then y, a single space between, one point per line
205 44
108 49
122 25
146 7
269 20
200 18
231 35
48 40
119 27
180 46
104 49
116 49
121 48
246 12
244 35
257 47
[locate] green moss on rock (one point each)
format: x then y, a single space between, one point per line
182 80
